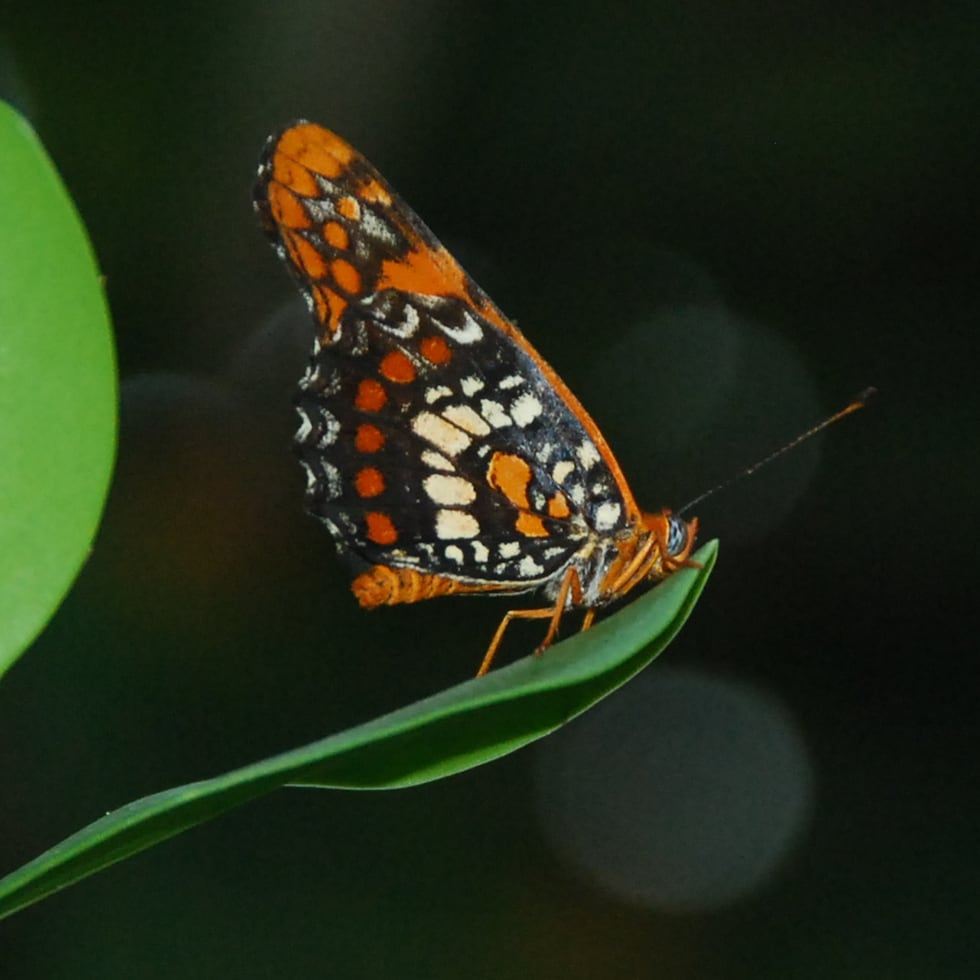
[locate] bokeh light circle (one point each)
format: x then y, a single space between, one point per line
684 792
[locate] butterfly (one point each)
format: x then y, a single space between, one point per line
442 452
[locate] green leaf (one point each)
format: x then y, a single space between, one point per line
57 390
454 730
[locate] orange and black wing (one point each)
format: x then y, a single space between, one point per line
434 437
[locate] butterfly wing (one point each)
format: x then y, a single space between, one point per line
433 435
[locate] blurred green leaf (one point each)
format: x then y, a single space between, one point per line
474 722
57 390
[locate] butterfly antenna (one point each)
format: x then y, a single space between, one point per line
859 401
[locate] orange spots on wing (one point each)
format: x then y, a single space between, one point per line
530 525
397 367
293 175
558 506
435 350
316 148
324 314
286 207
431 272
349 208
510 475
376 192
335 234
328 306
346 276
380 530
369 482
305 257
369 438
371 396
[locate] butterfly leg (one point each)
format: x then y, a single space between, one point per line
501 629
571 584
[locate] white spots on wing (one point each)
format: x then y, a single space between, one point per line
454 553
576 493
411 319
313 380
442 434
528 567
404 328
449 491
347 526
436 461
364 249
323 422
562 470
432 395
320 209
471 385
466 418
606 515
469 333
538 501
305 426
509 549
511 381
525 409
328 189
332 528
587 454
331 476
328 477
494 413
452 524
481 552
377 229
359 341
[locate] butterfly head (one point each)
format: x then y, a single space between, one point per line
676 538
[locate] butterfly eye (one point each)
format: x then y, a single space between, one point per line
676 535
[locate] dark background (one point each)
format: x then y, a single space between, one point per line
718 222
